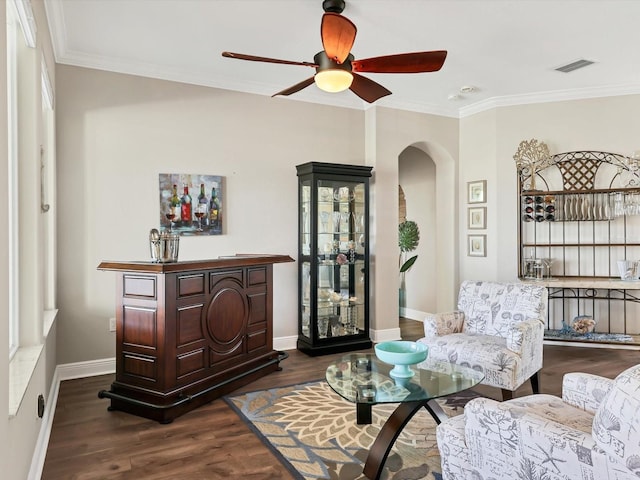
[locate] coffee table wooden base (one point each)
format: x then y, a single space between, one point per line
391 429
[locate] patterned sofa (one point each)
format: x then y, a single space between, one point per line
497 329
592 433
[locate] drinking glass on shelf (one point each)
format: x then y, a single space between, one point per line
324 221
336 222
344 218
200 211
358 221
618 204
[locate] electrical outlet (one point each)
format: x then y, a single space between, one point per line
112 324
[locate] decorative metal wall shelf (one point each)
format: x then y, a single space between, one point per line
580 214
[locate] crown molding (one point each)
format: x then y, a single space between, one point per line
57 27
27 21
552 96
346 100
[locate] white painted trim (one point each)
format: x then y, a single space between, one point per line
551 96
285 343
93 368
47 89
48 319
67 371
21 368
27 21
412 314
57 27
389 334
42 443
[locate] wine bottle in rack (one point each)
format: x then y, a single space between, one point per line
203 207
174 207
185 207
214 209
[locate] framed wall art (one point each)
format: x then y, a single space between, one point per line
191 204
477 245
477 218
477 191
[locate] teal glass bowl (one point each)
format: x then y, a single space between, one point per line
401 354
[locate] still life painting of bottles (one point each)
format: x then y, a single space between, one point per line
191 204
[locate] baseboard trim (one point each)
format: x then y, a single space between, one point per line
92 368
63 372
412 314
40 450
389 334
285 343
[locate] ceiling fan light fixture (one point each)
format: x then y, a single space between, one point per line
333 80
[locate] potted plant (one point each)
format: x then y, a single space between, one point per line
408 239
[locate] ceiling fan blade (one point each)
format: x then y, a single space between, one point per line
253 58
367 89
338 34
296 88
402 63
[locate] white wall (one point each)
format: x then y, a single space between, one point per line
488 142
478 161
5 441
417 176
438 137
19 433
116 133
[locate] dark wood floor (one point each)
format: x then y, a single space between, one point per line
89 442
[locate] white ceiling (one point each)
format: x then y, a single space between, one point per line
507 49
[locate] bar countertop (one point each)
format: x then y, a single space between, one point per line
231 261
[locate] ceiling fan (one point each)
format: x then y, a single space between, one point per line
336 68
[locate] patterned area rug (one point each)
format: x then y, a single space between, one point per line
313 431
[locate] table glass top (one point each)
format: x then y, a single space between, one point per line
362 378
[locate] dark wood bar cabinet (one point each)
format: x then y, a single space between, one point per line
190 332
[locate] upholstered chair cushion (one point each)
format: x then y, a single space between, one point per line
585 391
498 329
436 324
493 308
616 426
545 437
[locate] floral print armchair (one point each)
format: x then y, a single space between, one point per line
498 329
591 433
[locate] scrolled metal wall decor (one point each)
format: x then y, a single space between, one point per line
531 157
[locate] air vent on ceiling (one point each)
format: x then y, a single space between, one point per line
570 67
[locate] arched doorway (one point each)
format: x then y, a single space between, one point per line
417 202
434 202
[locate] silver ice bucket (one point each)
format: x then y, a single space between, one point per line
164 247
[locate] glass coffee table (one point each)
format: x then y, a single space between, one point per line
364 380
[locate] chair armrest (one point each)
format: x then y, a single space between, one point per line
438 324
584 390
526 336
505 437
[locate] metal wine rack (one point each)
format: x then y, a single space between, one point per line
581 218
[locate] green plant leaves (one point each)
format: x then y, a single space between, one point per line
408 239
408 236
408 264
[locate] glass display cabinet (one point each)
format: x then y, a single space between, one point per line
333 257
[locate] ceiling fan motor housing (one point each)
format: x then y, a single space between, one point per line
333 6
325 63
